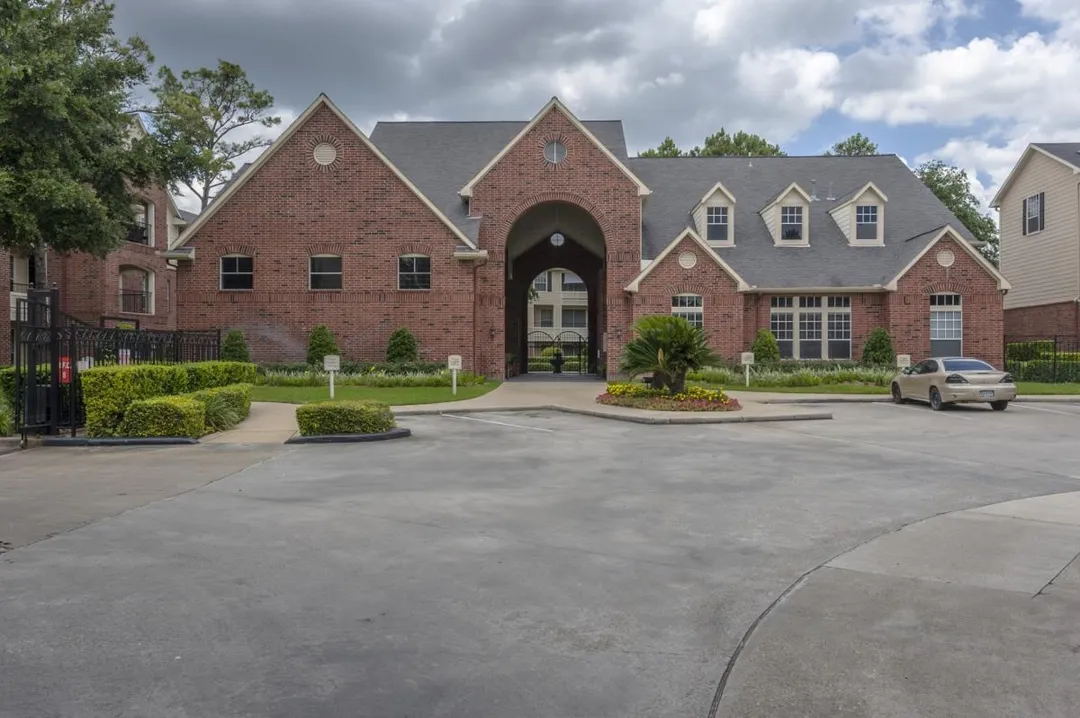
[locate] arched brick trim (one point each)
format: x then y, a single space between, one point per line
131 265
699 288
508 221
244 249
948 286
326 248
414 248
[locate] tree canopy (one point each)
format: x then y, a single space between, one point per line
70 157
858 145
953 188
720 144
197 119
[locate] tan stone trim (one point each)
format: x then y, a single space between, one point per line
328 248
948 231
247 250
689 232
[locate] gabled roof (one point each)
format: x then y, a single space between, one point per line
244 176
949 231
554 105
718 187
793 187
852 197
1067 153
635 285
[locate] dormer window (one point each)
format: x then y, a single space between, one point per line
866 222
791 223
717 224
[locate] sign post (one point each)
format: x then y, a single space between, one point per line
747 362
331 363
453 363
903 361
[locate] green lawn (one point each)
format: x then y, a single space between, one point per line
395 396
1024 387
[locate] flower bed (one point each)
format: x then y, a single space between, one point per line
694 398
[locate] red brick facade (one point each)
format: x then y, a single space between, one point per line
1060 320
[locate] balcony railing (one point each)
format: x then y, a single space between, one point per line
21 287
139 233
136 302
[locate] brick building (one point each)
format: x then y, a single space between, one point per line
443 226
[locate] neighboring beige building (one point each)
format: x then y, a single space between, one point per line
561 305
1039 204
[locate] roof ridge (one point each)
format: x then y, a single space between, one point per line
769 157
473 122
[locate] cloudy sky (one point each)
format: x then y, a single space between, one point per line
969 81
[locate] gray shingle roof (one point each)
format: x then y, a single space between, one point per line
441 157
910 215
1068 151
188 217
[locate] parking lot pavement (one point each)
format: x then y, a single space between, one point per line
525 564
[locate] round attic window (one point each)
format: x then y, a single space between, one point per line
557 240
555 152
325 154
687 260
946 258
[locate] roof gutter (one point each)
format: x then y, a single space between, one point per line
876 288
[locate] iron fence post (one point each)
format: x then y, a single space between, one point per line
54 360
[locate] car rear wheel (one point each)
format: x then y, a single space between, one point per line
935 400
999 405
897 395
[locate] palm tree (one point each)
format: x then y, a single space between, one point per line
668 347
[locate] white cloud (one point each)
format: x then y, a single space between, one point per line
790 78
1063 13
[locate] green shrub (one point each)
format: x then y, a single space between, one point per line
210 374
1029 351
667 347
44 378
344 417
1044 371
765 347
171 416
226 406
878 350
313 377
321 343
109 391
714 376
7 418
235 348
402 347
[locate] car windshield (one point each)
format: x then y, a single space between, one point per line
967 365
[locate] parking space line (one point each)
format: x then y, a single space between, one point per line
499 423
951 415
1048 411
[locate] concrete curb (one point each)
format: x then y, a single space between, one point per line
120 441
398 433
683 418
885 399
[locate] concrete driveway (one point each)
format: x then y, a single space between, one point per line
509 565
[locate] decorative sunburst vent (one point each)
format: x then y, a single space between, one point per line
325 153
554 150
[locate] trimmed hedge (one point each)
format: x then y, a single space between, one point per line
226 406
344 417
1044 371
164 416
211 374
109 391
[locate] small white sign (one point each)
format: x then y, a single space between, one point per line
748 358
903 361
331 362
453 362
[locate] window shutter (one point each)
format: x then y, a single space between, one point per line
1023 217
1042 211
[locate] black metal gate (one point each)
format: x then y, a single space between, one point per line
52 349
565 353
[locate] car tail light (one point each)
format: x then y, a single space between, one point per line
1007 379
955 379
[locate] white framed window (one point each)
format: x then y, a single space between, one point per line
716 224
141 230
946 325
812 327
542 283
136 290
237 272
572 283
866 223
414 272
575 318
791 223
1034 213
324 271
690 307
543 317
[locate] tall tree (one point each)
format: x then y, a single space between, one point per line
69 159
953 188
197 118
721 144
858 145
667 148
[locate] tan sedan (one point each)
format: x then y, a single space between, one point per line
952 381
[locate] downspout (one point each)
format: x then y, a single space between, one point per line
1076 302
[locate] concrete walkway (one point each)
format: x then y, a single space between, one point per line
972 613
268 423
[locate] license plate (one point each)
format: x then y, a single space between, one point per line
986 394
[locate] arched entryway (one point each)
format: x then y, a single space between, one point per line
557 241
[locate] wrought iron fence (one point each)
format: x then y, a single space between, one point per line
135 302
52 350
1043 359
565 353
